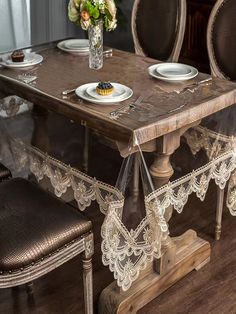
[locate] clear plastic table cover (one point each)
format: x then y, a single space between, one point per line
126 250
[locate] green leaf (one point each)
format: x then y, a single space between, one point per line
89 8
96 13
108 14
106 22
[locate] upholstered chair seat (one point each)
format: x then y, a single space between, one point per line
38 233
34 225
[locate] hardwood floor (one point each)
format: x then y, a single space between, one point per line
210 290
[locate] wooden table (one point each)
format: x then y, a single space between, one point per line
171 115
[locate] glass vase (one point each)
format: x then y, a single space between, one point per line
95 34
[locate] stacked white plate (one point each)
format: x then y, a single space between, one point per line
171 71
79 46
29 60
88 92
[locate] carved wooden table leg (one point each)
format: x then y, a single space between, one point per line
180 256
175 248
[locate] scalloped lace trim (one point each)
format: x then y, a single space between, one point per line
214 144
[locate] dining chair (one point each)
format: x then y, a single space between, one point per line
158 28
38 233
221 45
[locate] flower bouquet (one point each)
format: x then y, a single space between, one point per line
92 15
87 12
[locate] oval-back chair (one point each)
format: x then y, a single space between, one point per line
221 39
221 45
158 28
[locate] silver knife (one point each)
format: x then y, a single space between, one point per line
68 91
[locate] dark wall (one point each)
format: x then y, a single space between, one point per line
121 37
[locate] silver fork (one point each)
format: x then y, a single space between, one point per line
193 87
126 108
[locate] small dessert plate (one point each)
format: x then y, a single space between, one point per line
30 60
81 92
118 92
172 69
152 71
77 44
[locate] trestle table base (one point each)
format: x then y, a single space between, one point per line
191 253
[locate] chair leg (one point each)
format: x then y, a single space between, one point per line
219 210
30 288
86 149
88 285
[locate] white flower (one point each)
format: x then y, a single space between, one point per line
112 25
98 2
111 7
73 12
77 3
85 24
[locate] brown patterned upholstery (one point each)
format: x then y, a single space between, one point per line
34 224
156 27
224 38
4 173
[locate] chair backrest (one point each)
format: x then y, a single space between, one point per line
221 39
158 28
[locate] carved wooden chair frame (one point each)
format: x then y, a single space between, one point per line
26 275
216 72
180 30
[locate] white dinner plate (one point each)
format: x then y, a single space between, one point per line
62 46
152 71
29 60
77 44
119 92
81 92
173 69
